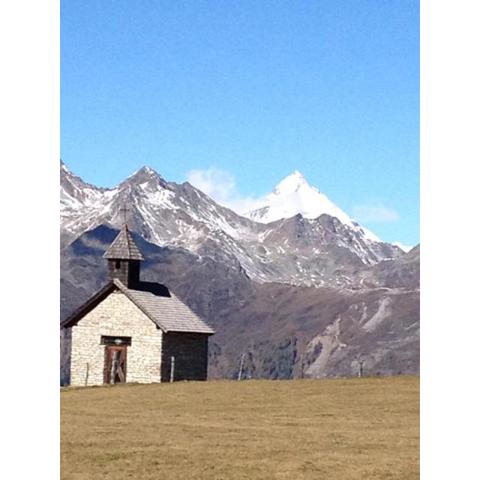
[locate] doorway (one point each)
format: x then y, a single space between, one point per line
115 370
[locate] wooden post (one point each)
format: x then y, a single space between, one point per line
172 369
240 372
302 366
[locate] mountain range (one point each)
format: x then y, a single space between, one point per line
296 286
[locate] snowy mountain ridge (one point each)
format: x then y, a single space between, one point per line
321 250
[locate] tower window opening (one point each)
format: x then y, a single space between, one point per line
117 265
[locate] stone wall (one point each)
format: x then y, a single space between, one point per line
115 316
190 351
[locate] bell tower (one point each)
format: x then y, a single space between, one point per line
124 259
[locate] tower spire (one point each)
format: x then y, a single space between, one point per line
124 258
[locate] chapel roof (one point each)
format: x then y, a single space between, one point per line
166 310
123 247
156 301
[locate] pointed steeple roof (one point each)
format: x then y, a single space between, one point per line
123 247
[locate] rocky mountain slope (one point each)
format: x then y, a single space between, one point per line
302 295
282 330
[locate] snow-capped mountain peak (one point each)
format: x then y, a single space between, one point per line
147 171
143 174
293 196
292 183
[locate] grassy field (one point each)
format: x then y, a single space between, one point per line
302 429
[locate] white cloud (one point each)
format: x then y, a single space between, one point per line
376 213
220 185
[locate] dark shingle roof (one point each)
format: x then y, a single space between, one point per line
167 311
123 247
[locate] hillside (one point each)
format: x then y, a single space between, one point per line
303 429
279 327
308 295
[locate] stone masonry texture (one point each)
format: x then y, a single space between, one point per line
115 316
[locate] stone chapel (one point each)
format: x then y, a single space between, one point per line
134 331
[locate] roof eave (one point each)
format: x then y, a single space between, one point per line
191 331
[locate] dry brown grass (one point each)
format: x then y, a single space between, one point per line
302 429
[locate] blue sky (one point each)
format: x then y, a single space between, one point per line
249 92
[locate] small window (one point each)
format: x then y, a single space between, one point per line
117 265
109 340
